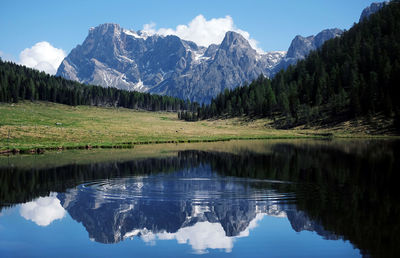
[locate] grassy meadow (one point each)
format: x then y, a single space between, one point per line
28 125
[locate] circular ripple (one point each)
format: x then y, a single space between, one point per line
200 190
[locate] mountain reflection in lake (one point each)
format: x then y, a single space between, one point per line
292 198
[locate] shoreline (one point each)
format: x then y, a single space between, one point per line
35 127
131 145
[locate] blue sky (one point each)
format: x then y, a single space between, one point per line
64 24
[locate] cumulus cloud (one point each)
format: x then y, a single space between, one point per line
42 56
202 31
43 210
200 236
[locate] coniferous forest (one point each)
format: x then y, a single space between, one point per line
22 83
353 75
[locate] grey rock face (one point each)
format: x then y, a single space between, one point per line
113 220
111 56
300 221
301 47
373 8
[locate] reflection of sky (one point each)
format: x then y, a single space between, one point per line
273 237
43 210
201 236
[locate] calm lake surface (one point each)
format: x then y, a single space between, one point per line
288 198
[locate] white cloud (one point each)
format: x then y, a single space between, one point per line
42 56
43 210
200 236
203 32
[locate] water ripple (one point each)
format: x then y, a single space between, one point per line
196 189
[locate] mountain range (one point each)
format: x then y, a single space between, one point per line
112 56
139 207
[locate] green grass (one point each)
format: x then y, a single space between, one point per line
26 126
54 158
51 159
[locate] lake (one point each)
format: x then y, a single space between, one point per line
264 198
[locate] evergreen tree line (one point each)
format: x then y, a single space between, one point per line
21 83
23 184
352 75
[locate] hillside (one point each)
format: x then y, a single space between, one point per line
35 126
21 83
30 125
350 76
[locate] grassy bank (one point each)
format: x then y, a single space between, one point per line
30 126
52 159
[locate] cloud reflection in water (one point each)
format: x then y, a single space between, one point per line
43 211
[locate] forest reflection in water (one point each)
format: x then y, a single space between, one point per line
208 197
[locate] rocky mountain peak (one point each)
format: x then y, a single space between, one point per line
234 40
106 28
301 46
373 8
211 50
112 56
325 35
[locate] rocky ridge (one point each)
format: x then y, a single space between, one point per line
112 56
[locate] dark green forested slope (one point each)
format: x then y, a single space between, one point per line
352 75
22 83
